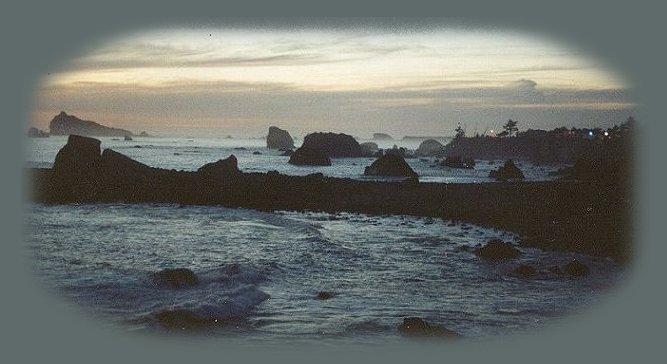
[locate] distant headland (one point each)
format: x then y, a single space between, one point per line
64 124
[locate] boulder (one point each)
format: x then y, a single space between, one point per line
458 162
333 145
223 167
576 268
429 147
309 157
417 327
175 278
390 165
497 249
508 171
77 169
279 139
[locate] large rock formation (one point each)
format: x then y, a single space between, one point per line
63 124
76 169
305 156
429 147
507 171
333 145
279 139
390 165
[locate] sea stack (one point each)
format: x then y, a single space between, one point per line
390 165
333 145
279 139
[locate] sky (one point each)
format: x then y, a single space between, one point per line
218 82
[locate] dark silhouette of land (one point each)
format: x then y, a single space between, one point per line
588 215
63 124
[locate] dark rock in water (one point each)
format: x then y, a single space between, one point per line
223 167
497 249
390 165
429 147
325 295
524 271
138 146
127 138
175 278
417 327
36 133
76 169
333 145
256 153
240 148
63 124
576 268
507 171
382 136
458 162
309 157
279 139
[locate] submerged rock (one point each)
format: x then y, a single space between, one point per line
417 327
175 278
333 145
223 167
507 171
429 147
497 249
324 295
309 157
279 139
576 268
390 165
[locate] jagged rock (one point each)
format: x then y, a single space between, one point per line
76 169
429 147
333 145
309 157
524 271
223 167
175 278
576 268
63 124
390 165
458 162
497 249
417 327
507 171
279 139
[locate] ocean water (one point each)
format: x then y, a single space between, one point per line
260 273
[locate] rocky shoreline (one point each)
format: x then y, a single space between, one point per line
592 217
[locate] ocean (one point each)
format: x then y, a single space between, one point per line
260 273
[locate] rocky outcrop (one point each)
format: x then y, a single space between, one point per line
417 327
309 157
63 124
333 145
175 278
369 149
222 168
390 165
506 172
497 249
279 139
428 148
77 167
458 162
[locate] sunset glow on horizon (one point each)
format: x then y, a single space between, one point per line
405 83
